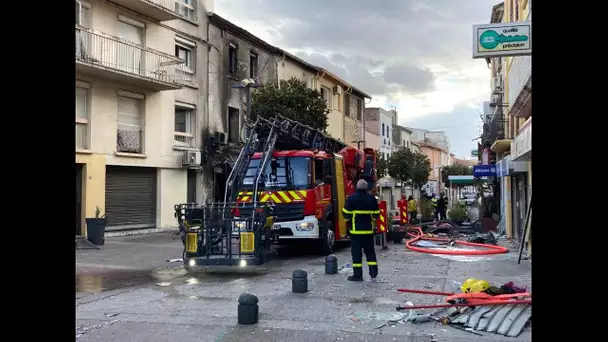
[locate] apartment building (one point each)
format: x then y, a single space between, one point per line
140 72
402 137
511 82
236 55
290 66
380 122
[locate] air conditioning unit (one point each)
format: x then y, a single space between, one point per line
221 138
191 159
338 90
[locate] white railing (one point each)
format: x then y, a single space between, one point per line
183 9
82 135
116 54
519 75
183 139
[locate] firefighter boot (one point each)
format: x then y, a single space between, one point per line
357 274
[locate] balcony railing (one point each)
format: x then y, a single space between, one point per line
520 75
160 10
181 139
82 135
125 58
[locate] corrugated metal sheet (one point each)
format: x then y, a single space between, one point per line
507 320
130 197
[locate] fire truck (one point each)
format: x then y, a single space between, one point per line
289 184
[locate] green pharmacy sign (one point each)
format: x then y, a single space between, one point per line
502 39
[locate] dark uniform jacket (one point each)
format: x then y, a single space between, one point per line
361 209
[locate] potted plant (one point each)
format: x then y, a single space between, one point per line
458 214
96 228
426 211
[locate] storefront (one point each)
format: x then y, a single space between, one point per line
521 153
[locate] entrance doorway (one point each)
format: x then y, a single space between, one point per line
78 208
191 187
220 185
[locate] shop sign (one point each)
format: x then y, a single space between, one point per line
502 39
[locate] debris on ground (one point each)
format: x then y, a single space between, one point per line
485 238
504 310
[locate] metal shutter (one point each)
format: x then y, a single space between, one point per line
130 197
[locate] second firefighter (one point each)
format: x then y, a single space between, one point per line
361 211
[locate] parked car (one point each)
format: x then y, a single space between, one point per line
468 198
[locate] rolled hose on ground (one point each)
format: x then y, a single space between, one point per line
489 249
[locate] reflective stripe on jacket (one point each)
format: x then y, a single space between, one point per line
434 202
411 205
362 210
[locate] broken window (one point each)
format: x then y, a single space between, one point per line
359 109
233 59
253 65
233 125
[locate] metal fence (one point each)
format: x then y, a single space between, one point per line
112 53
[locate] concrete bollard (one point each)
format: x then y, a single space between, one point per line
299 281
248 309
331 264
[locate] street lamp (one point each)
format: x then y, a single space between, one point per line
247 83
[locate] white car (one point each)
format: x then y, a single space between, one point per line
468 199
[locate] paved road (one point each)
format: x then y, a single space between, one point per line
169 306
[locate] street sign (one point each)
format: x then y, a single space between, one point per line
484 171
474 153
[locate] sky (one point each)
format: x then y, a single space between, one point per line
413 56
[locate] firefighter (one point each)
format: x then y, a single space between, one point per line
361 211
434 204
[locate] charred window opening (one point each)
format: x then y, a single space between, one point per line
233 59
253 65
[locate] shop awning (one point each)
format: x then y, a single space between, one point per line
461 180
501 146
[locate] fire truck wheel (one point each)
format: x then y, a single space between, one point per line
327 242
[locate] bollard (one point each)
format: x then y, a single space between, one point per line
299 281
331 264
248 309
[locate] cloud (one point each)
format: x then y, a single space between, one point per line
413 55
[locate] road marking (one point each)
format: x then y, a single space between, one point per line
144 244
118 267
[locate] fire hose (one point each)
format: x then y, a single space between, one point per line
419 235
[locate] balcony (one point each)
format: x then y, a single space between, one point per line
160 10
122 61
520 86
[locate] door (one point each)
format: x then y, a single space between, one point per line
129 57
130 197
514 209
78 208
220 184
522 198
191 187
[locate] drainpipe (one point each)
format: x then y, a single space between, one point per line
278 78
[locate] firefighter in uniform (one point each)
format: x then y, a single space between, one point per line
434 205
361 210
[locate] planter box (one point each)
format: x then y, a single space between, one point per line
396 236
96 230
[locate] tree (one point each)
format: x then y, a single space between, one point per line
291 99
382 165
421 170
401 165
457 169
